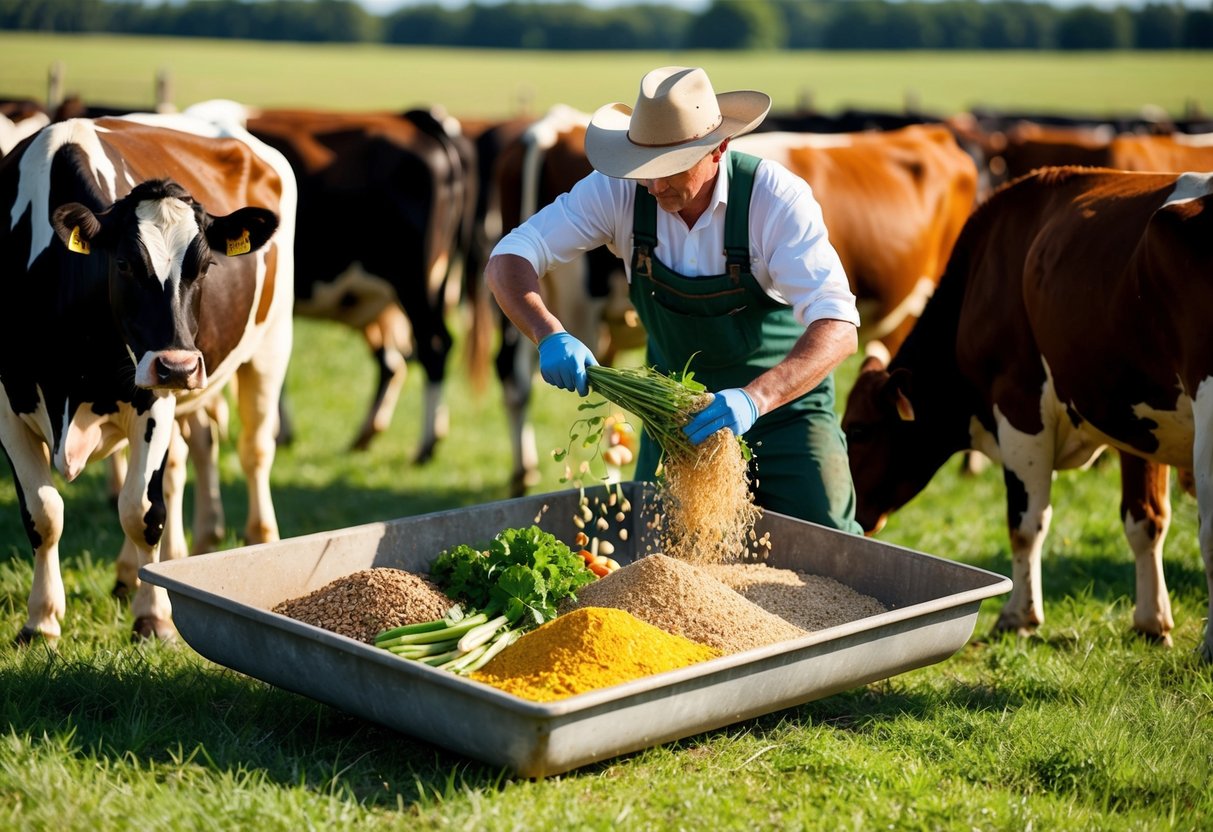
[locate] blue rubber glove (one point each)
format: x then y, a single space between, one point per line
732 409
562 362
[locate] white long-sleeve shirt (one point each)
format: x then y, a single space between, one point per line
790 252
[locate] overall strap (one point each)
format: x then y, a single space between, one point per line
737 217
644 221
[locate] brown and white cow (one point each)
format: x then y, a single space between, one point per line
146 262
19 119
1073 315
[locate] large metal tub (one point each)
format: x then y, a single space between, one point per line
222 601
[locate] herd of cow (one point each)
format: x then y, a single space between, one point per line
1035 291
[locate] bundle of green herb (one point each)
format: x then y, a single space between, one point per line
664 403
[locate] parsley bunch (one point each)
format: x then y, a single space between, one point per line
522 574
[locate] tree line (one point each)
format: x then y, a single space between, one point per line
724 24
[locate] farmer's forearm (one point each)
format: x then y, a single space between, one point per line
514 283
822 347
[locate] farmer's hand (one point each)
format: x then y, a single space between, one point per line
732 409
562 362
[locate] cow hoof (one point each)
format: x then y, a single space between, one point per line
425 454
160 629
28 636
121 591
1156 639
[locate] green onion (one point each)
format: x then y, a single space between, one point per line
664 403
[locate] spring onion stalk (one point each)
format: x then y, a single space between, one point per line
475 637
499 643
445 633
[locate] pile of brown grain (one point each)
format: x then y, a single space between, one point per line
811 602
366 603
685 600
706 508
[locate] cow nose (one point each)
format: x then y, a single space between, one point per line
179 370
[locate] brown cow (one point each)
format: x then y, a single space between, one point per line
1073 315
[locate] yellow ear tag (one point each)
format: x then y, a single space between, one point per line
74 243
240 245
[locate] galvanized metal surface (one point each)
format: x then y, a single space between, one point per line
222 601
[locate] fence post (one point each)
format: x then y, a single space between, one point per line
54 86
164 91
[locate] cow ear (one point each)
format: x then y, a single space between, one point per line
897 394
76 226
241 232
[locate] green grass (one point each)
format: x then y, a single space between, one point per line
1083 727
488 83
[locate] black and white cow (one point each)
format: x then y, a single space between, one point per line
144 263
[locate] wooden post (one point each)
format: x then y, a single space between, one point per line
54 86
164 92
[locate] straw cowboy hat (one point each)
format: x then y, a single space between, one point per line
677 121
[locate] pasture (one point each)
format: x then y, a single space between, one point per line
1083 726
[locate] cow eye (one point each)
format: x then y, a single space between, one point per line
123 265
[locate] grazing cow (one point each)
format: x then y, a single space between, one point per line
144 268
1024 147
1073 315
384 202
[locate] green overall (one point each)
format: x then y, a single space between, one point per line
735 331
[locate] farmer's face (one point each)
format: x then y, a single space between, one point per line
687 190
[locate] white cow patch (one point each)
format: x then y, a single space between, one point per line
778 147
13 133
34 192
538 139
166 227
1193 139
1190 186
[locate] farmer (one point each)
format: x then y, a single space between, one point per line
735 273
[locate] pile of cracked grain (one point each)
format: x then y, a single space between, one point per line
811 602
706 508
366 603
683 599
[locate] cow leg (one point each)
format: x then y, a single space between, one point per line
143 513
173 543
516 369
1028 475
258 384
389 337
42 515
203 431
115 475
1202 468
1145 507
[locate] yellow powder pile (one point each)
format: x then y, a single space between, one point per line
587 649
707 511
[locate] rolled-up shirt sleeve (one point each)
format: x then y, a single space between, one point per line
793 243
576 222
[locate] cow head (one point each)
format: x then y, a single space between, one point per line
158 245
885 442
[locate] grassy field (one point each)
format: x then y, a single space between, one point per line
121 71
1083 727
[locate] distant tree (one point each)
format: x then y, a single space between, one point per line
1087 27
803 22
737 24
1198 29
1158 26
856 25
1013 24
